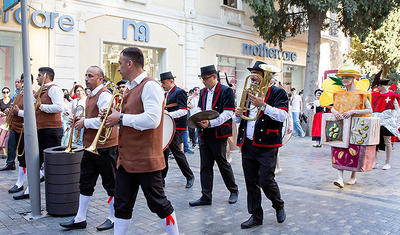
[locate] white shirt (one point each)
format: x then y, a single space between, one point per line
102 103
178 113
195 103
152 98
57 98
296 104
274 113
314 107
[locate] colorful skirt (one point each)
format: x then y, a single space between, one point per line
3 134
316 126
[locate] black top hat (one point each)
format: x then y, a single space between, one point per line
121 82
166 75
379 81
207 70
384 82
256 66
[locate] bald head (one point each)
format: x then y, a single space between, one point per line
94 77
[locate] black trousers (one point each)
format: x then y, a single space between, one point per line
192 135
49 137
93 165
11 146
21 159
126 190
214 150
179 156
258 167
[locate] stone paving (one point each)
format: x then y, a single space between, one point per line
313 204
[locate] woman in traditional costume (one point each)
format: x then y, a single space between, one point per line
318 111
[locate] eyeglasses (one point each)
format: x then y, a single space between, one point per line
6 92
206 77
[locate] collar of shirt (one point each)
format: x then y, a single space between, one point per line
48 84
136 81
97 89
213 89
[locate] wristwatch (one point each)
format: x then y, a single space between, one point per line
121 116
263 107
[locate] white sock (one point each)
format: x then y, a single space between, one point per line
340 174
172 226
27 190
21 177
121 226
83 205
111 216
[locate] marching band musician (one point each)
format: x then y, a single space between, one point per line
93 165
17 125
213 136
141 157
176 107
50 105
259 141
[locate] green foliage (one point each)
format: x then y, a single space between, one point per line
381 48
278 19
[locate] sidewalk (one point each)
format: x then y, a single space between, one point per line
313 204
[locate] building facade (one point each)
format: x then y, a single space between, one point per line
175 35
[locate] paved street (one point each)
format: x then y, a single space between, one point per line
313 204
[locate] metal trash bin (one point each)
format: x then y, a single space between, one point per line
62 174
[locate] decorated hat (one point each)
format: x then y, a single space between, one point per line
166 75
380 81
207 70
256 66
348 70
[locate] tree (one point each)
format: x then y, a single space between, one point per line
381 48
276 20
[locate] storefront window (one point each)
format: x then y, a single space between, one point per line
293 77
236 71
231 3
10 58
152 61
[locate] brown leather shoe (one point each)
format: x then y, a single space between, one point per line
8 167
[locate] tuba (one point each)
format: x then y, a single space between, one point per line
99 139
259 89
71 134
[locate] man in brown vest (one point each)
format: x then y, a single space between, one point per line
93 165
140 157
50 103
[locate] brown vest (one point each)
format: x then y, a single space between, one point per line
92 111
139 151
47 120
17 123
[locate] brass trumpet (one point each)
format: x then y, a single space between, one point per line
99 139
19 142
71 133
254 89
7 123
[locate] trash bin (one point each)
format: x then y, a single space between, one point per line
62 173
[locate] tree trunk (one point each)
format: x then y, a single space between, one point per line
312 63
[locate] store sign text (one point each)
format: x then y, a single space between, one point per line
263 51
141 30
44 19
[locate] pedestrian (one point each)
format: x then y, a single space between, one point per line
193 102
176 107
297 110
121 86
317 119
93 165
5 103
65 118
141 129
213 136
259 140
79 101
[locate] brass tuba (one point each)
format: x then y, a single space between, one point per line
71 134
99 139
254 89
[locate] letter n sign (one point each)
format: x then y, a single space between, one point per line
7 4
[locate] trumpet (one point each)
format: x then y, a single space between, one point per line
10 116
259 89
19 142
71 134
101 139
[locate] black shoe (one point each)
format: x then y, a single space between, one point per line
41 179
233 197
108 224
21 196
251 222
15 189
200 202
189 182
72 225
280 215
8 167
